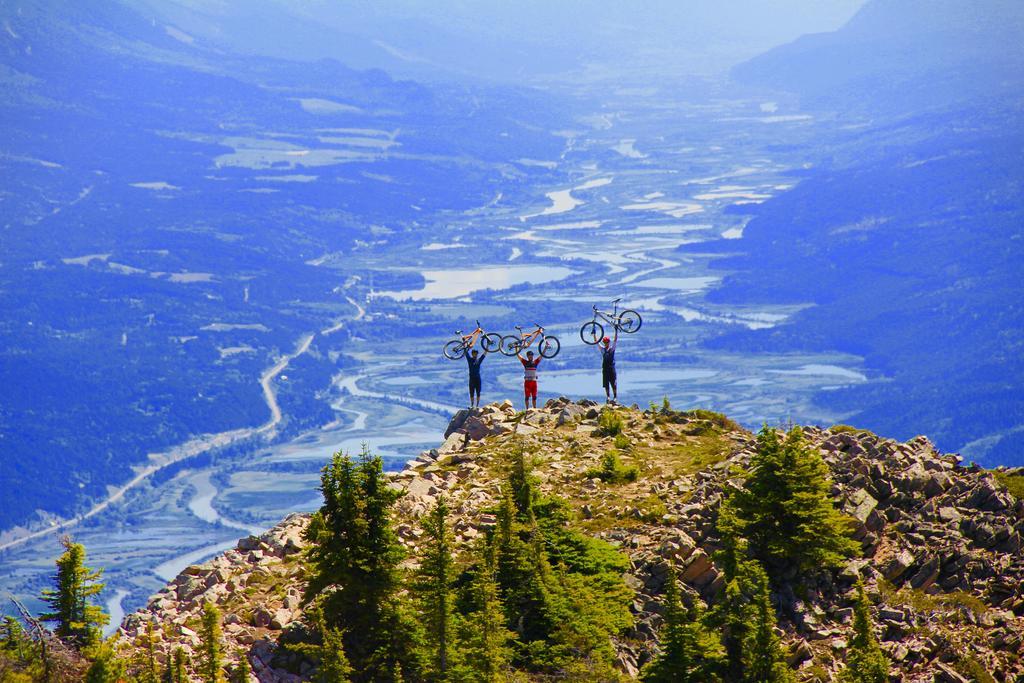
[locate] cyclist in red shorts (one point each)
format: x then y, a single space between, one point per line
529 377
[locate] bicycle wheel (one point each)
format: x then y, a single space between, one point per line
509 344
491 342
454 350
630 321
550 346
592 332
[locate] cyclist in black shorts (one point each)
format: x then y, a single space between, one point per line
475 359
608 376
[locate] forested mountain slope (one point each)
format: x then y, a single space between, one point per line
906 232
935 543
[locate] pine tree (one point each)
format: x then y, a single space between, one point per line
211 660
523 573
177 668
690 652
334 666
78 621
434 586
865 661
785 510
354 557
735 613
483 638
148 669
106 667
240 674
762 650
13 639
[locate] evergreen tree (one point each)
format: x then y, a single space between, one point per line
484 640
865 661
690 652
78 620
177 668
785 510
13 639
241 672
354 557
334 666
147 667
764 661
522 573
563 592
434 587
211 660
19 659
106 667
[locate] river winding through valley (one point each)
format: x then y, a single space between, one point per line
618 226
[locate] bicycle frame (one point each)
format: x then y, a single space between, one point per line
526 340
469 340
607 317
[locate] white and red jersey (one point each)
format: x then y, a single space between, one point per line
530 369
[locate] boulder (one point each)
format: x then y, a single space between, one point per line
457 421
898 565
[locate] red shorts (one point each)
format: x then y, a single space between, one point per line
530 387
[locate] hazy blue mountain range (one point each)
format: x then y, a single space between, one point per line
530 40
908 234
151 264
897 56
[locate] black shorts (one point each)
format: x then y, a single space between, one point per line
608 378
474 385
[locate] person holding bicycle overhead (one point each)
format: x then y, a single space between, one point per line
529 377
609 379
475 359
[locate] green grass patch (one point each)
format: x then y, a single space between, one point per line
920 601
653 509
686 457
1014 483
717 419
973 669
843 429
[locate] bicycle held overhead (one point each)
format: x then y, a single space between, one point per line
626 320
457 348
547 345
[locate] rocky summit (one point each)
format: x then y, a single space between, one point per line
940 541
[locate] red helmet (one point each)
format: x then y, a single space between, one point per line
606 340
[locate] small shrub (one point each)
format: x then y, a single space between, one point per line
610 423
666 407
622 442
612 471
